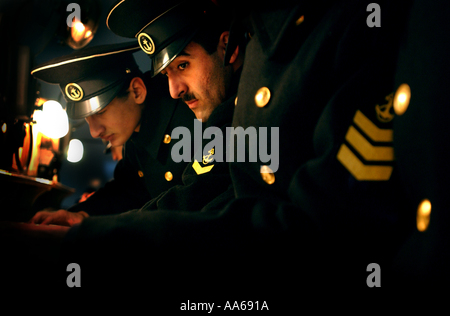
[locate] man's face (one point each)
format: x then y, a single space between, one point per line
117 121
199 79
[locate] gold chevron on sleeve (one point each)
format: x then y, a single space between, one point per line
360 171
199 169
366 149
374 132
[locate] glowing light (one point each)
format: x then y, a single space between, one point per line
52 121
423 215
402 98
78 31
88 33
75 151
4 128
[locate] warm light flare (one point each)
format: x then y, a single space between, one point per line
402 98
52 121
423 215
4 128
78 31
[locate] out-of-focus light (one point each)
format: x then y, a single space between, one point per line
423 215
78 31
40 101
75 150
402 98
52 121
4 128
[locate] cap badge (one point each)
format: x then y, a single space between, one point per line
146 43
74 92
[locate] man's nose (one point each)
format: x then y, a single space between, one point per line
95 127
177 88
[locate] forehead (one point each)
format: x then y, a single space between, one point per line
191 51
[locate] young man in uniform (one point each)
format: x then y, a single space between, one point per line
124 107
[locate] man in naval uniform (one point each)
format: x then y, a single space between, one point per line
192 60
104 86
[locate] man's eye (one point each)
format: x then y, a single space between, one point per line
182 66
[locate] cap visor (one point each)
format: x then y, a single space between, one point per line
79 110
162 59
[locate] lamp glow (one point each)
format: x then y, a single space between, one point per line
75 150
53 121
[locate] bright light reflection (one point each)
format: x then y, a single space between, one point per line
78 31
53 121
75 151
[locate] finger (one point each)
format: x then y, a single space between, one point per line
47 221
36 219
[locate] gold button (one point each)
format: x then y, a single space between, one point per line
423 215
167 139
235 101
140 173
168 176
402 98
267 175
300 20
262 97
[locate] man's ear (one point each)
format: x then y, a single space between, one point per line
138 90
223 41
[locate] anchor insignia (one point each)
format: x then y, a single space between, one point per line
208 158
74 92
146 43
384 113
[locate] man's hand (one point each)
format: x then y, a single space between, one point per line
60 217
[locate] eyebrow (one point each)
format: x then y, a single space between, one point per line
183 53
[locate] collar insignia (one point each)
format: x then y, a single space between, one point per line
208 158
384 113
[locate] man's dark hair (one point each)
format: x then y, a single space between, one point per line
126 84
210 31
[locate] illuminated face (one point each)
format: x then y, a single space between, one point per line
117 121
199 79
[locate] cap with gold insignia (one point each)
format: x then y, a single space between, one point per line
90 78
163 28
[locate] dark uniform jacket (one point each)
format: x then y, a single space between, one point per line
422 144
335 204
206 179
147 167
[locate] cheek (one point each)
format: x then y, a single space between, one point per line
131 117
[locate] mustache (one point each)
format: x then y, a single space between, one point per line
188 97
